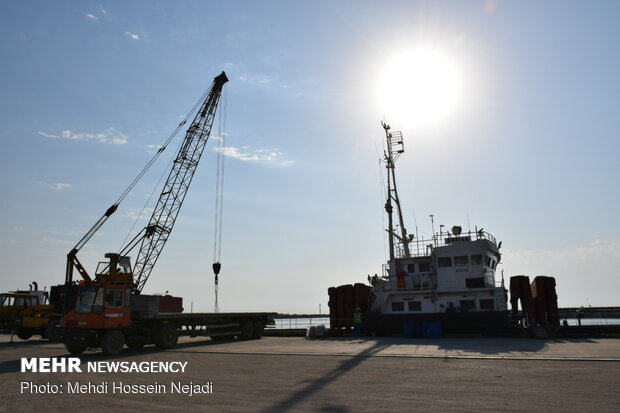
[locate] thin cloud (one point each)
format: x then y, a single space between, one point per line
219 138
92 16
60 186
259 79
246 154
67 232
57 241
152 148
109 135
133 35
135 213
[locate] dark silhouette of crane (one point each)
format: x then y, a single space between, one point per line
153 237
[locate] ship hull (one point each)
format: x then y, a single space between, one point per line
433 325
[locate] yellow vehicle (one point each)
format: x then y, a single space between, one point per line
26 313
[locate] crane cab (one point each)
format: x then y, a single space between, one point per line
104 302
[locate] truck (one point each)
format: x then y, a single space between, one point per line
27 313
109 315
109 311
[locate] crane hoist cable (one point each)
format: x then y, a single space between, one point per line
219 198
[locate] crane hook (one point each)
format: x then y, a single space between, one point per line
216 269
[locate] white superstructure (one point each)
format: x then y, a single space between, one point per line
450 273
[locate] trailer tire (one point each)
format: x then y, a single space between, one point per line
75 348
247 330
166 336
24 333
259 327
112 342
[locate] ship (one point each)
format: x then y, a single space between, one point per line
445 284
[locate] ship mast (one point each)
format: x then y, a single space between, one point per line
395 147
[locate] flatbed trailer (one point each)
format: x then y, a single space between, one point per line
163 330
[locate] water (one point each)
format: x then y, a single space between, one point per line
593 321
300 322
304 322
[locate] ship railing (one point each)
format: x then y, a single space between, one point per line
422 247
383 286
383 283
413 282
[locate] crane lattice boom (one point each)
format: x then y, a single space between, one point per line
165 213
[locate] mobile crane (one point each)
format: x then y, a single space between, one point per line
109 310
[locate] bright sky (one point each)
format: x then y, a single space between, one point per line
527 147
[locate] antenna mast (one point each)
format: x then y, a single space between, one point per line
395 147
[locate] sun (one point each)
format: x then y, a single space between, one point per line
419 88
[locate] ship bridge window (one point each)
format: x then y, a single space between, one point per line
417 282
487 261
444 262
476 259
468 305
424 266
487 305
398 306
493 264
410 268
475 282
415 305
421 282
461 261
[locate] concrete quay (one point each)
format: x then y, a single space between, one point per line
334 375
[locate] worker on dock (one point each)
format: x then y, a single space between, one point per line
357 321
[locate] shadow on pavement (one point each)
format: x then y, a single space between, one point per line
316 385
497 346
